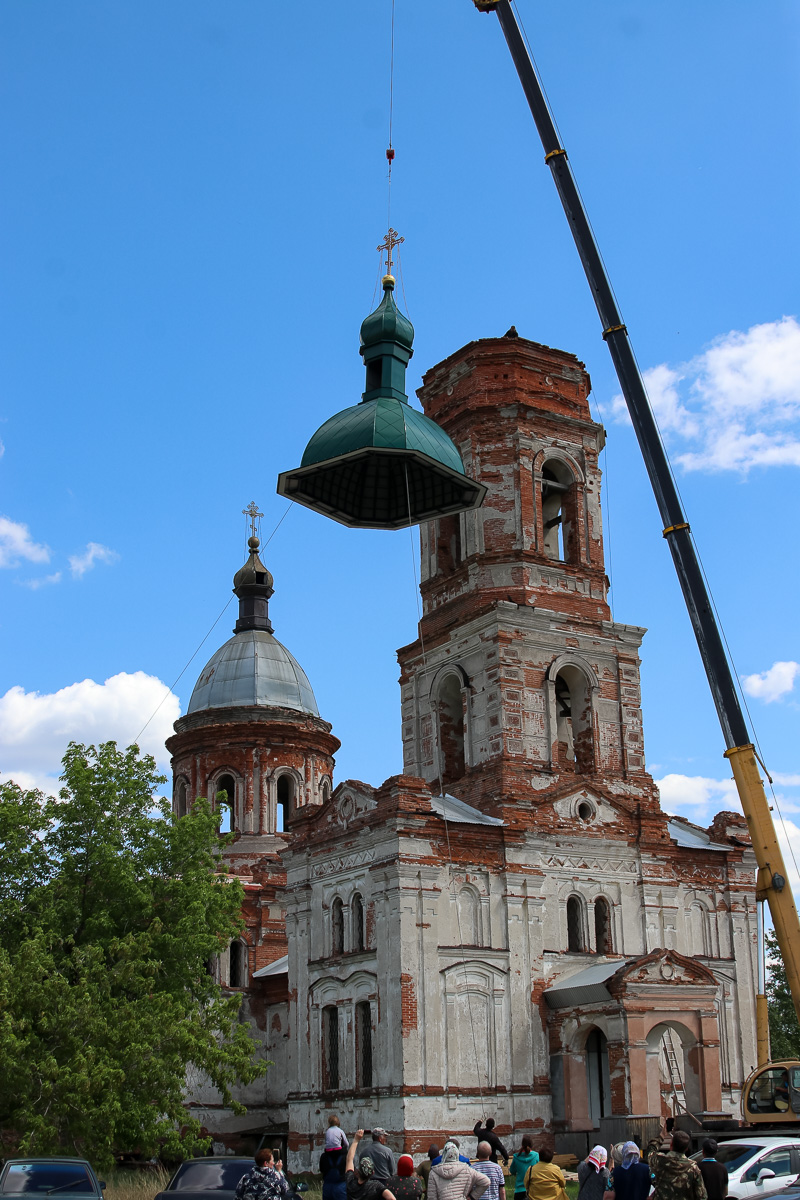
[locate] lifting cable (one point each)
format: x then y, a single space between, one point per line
438 767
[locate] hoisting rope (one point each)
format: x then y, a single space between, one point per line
438 768
390 147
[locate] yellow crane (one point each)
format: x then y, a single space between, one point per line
772 1092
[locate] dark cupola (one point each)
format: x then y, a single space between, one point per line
252 583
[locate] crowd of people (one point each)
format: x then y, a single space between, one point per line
361 1170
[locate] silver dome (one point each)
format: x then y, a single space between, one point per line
253 668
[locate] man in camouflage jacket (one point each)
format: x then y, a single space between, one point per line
676 1176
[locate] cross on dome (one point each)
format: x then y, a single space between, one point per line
388 244
252 512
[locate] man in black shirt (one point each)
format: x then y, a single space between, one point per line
360 1182
715 1176
486 1133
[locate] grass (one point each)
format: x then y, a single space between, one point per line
135 1185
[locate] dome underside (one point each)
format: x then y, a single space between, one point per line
253 668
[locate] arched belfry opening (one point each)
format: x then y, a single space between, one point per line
285 800
574 750
558 511
450 728
225 803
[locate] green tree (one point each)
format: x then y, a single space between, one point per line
784 1029
109 912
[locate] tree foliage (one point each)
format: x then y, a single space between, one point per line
784 1029
109 912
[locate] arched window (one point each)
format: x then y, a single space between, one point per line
450 712
699 934
325 791
364 1044
337 927
574 724
602 926
180 799
558 516
357 910
575 939
226 802
237 970
285 802
330 1048
448 544
469 917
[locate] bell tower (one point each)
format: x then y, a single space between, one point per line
519 683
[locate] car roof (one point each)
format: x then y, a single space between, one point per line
774 1140
229 1158
44 1158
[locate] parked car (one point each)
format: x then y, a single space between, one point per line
49 1176
198 1178
759 1166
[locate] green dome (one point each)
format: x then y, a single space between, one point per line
387 323
382 464
389 424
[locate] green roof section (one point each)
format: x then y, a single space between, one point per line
382 464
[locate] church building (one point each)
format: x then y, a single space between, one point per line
513 926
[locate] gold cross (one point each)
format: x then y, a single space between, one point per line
252 512
388 244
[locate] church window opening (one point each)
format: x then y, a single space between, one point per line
557 504
357 911
574 725
285 801
450 712
325 791
337 927
448 544
237 970
602 926
575 938
330 1047
180 802
364 1044
226 800
469 917
597 1076
585 810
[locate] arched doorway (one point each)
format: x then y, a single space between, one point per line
672 1074
598 1079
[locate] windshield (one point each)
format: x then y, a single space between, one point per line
210 1176
734 1154
69 1179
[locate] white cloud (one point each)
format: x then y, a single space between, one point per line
79 564
698 799
16 544
736 405
2 447
35 727
773 684
35 584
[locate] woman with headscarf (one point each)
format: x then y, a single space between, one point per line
631 1178
593 1175
454 1180
406 1184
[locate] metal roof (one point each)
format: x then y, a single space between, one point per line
457 811
253 668
279 967
584 987
691 837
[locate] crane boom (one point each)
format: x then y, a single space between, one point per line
771 880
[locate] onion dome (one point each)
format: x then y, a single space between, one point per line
253 668
382 464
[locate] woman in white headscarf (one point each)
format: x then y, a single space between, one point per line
454 1180
592 1175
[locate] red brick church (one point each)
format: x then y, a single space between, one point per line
513 926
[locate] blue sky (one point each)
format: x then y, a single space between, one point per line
193 193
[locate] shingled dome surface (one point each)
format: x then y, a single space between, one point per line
253 668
